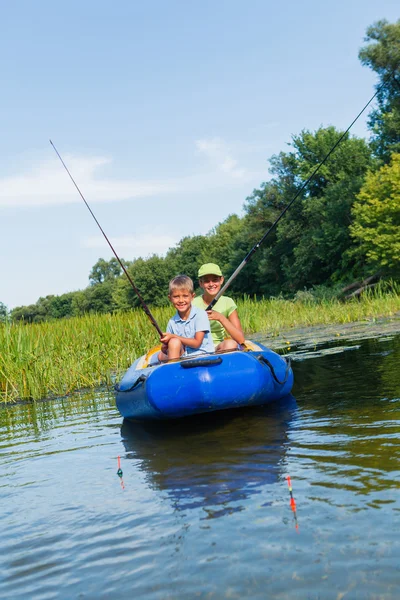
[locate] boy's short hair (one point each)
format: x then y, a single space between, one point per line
181 282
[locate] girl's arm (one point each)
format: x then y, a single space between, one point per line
231 324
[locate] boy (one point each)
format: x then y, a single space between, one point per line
188 331
224 318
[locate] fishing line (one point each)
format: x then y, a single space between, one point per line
302 188
144 305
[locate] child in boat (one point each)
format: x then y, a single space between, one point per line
224 318
188 331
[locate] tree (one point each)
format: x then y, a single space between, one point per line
221 244
28 314
151 277
382 55
49 307
376 213
99 297
309 244
187 256
262 274
105 270
3 313
80 303
54 307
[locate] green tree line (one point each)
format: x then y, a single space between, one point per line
345 225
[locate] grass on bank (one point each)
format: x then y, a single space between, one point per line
58 357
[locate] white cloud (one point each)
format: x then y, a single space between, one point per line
140 245
49 184
219 153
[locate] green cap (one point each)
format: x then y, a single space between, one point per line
209 269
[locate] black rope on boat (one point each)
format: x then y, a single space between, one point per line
264 360
139 380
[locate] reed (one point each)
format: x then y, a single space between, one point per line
276 314
58 357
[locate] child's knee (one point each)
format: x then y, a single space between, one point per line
174 344
227 344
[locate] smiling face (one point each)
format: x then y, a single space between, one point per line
211 284
181 298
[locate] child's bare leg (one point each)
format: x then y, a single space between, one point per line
175 348
228 344
162 355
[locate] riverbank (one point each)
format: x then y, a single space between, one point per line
59 357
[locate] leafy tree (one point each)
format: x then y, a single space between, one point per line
56 307
3 312
376 214
80 303
151 277
187 256
262 210
382 55
260 276
309 244
49 307
105 270
221 247
29 314
62 306
99 297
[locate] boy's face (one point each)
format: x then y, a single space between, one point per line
181 299
211 284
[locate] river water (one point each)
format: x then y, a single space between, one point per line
202 509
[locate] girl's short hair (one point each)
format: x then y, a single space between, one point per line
181 282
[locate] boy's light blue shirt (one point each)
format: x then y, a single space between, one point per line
196 321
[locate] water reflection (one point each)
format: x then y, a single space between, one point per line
371 368
350 426
215 461
34 418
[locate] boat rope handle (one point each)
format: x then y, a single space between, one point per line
201 362
264 360
140 379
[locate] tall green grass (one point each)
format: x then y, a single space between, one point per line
59 357
276 314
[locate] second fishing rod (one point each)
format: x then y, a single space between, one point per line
298 193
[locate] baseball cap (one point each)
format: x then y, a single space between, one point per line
209 269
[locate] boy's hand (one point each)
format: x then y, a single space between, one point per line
166 337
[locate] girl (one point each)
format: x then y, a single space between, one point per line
224 320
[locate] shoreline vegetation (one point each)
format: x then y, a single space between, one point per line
59 357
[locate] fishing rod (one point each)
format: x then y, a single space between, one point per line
144 305
275 223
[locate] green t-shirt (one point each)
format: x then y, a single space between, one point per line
225 306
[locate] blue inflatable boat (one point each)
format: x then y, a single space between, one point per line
249 377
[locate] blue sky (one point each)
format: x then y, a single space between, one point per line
166 113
